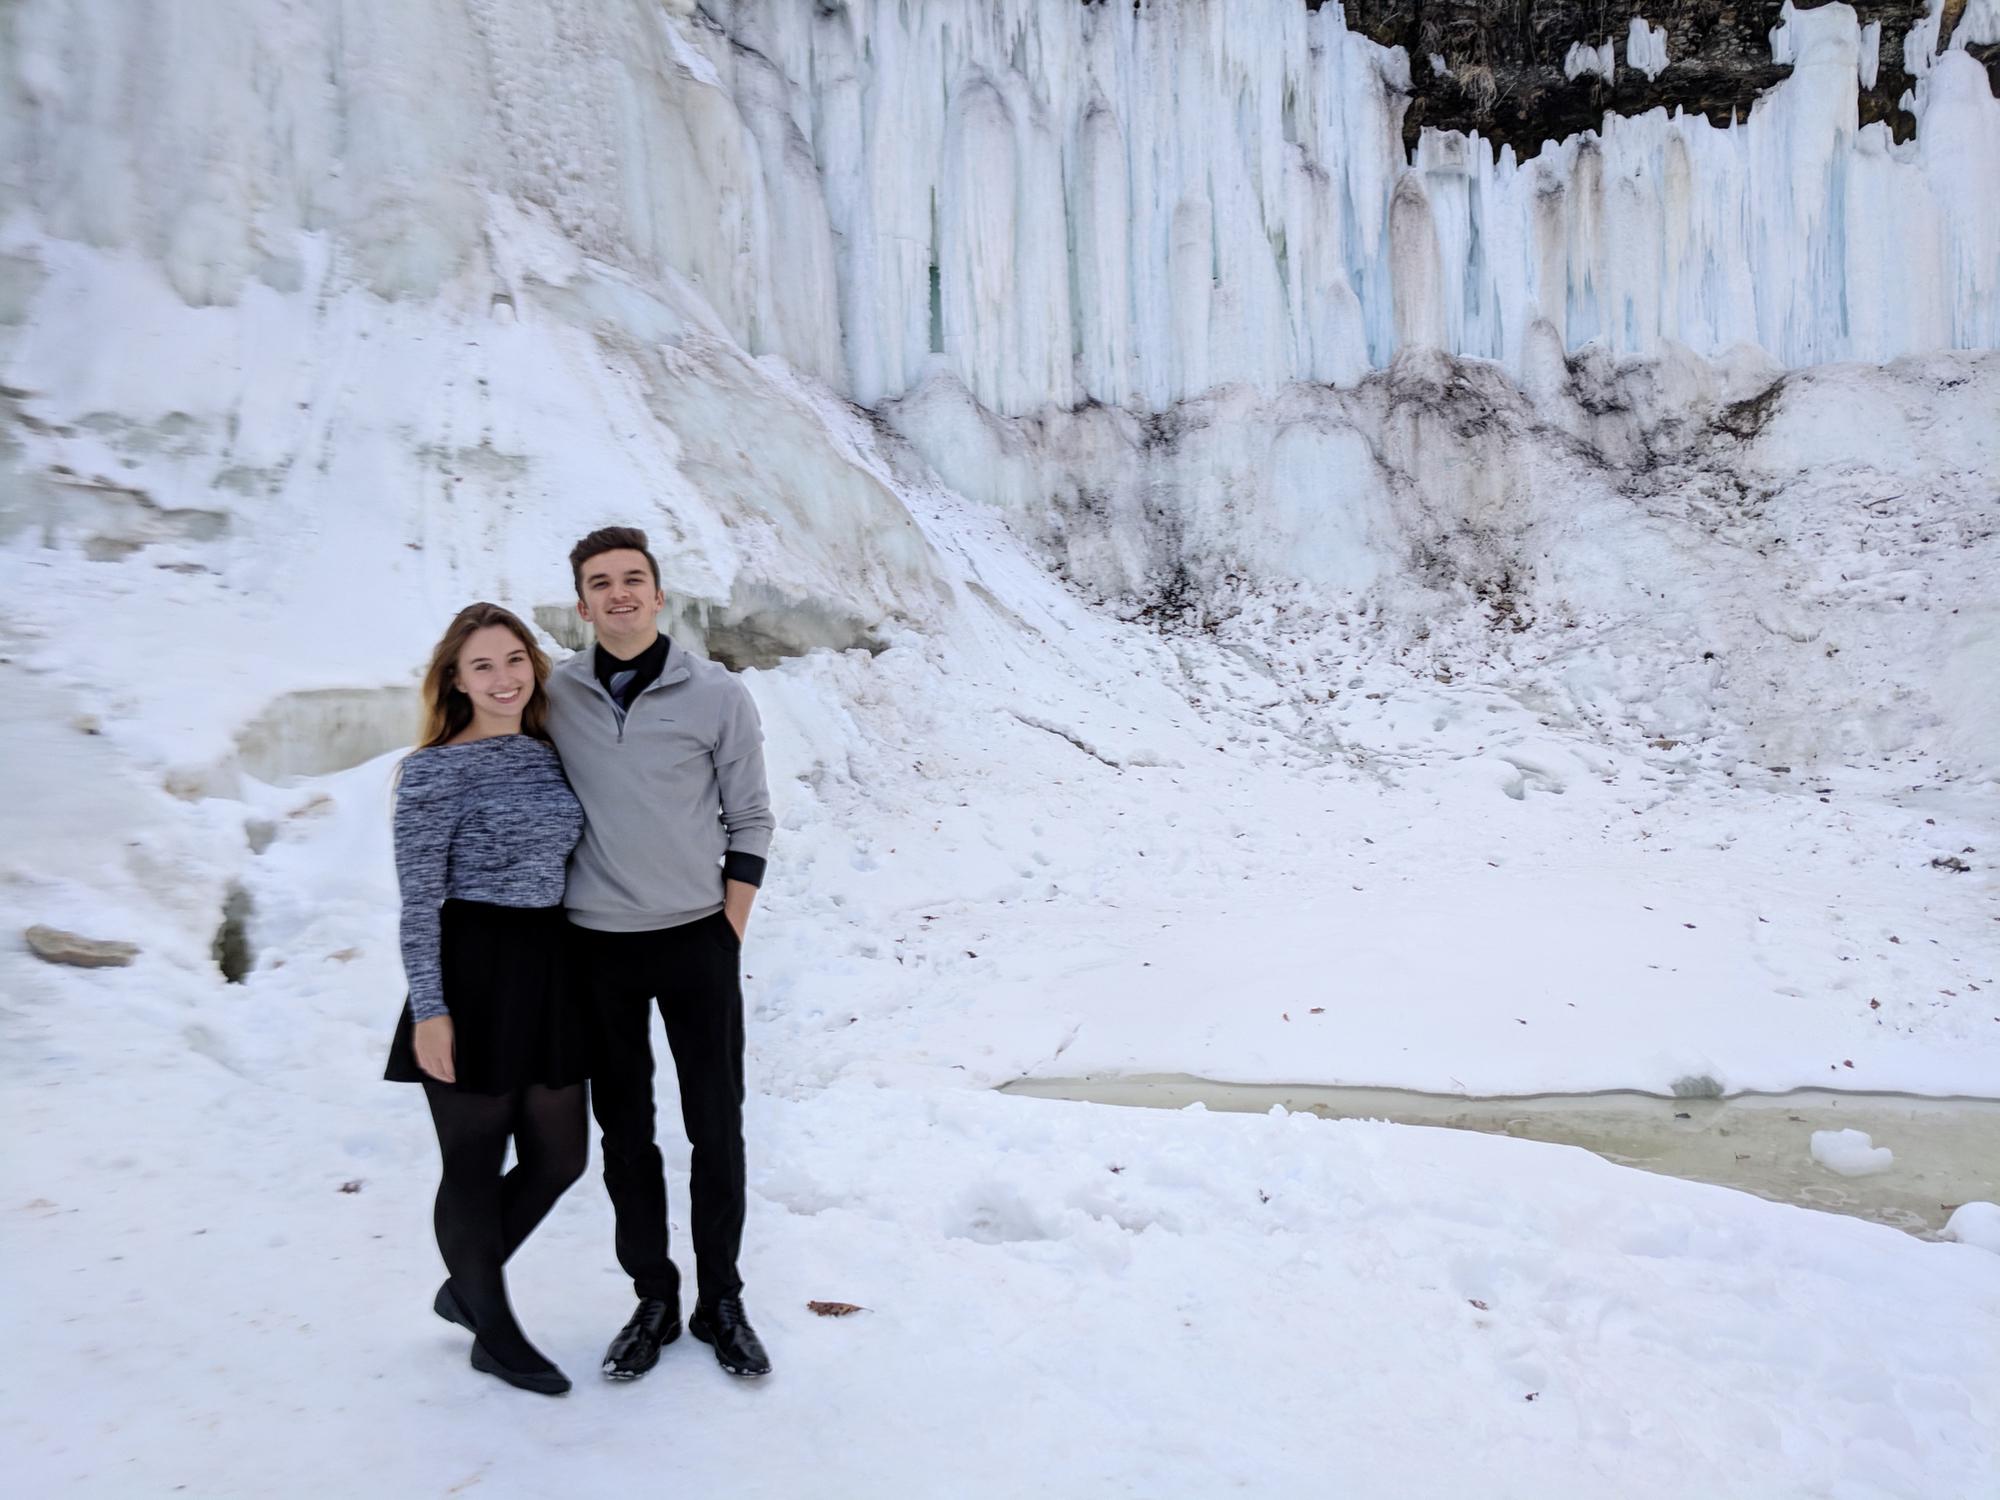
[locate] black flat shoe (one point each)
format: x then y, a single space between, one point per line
545 1382
447 1306
737 1347
653 1325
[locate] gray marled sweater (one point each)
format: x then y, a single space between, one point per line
491 820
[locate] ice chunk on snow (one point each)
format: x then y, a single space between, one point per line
1850 1153
1975 1224
1603 61
1646 47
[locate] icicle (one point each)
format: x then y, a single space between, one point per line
1646 48
1582 59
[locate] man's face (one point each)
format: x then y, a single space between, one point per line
620 599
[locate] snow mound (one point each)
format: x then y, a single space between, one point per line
1975 1224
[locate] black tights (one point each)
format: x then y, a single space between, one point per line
482 1217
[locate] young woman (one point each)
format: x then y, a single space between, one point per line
485 822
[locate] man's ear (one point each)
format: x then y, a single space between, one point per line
582 610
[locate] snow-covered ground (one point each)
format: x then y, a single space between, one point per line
1070 1298
1621 712
1074 1298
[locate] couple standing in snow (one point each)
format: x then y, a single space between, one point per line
573 844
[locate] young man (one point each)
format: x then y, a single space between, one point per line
666 754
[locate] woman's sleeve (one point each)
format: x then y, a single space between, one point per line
426 814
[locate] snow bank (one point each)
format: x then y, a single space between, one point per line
1975 1224
1850 1153
1613 514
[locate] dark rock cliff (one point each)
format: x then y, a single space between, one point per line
1504 61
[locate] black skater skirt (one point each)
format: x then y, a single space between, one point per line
517 1009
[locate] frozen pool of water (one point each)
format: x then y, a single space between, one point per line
1947 1150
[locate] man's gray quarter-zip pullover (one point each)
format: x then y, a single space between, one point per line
668 788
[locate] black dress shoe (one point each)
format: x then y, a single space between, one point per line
547 1381
447 1306
653 1325
737 1348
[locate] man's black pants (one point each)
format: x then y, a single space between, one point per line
692 971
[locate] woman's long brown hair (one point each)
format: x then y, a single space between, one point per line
446 709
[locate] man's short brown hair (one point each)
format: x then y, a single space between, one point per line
610 539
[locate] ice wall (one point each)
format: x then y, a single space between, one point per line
1056 202
209 137
1134 205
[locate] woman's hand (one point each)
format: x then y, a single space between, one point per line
434 1050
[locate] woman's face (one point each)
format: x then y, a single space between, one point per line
495 673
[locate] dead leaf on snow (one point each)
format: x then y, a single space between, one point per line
833 1309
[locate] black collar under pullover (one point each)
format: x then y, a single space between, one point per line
626 680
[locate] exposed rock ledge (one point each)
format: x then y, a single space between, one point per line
1504 73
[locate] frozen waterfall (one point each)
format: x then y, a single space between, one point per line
1135 205
1056 202
438 284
